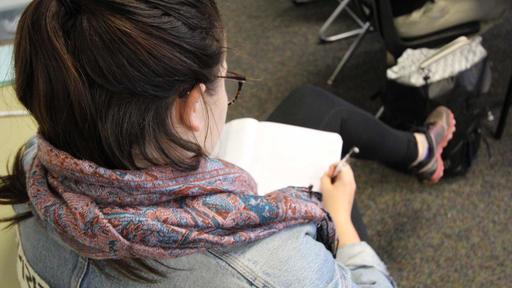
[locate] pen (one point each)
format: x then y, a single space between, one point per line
343 161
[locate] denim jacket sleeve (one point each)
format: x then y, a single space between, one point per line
365 266
293 258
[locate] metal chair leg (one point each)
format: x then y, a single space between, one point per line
341 7
349 53
504 111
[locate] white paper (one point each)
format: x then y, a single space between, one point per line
279 155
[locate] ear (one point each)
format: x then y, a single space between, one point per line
191 112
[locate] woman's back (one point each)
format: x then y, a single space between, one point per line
291 258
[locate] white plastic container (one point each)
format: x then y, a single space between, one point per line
10 11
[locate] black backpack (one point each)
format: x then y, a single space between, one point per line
406 107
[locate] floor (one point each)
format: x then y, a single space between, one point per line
454 234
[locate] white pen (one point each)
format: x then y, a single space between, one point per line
343 161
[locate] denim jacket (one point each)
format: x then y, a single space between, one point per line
290 258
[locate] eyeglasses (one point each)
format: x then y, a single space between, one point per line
234 84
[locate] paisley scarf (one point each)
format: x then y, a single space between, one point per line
159 212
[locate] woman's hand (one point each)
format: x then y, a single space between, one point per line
338 198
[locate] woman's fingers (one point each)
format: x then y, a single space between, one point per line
332 168
346 172
345 176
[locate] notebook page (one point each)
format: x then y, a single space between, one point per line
236 144
292 156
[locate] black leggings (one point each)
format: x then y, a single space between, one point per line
315 108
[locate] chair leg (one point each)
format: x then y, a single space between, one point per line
341 7
349 53
504 111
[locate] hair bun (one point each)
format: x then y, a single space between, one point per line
72 7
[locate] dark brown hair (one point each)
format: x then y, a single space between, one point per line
100 76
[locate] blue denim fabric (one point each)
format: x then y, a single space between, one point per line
290 258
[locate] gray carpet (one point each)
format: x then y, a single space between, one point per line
454 234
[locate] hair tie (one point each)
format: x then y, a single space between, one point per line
72 7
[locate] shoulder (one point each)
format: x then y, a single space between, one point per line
196 270
289 258
44 260
29 153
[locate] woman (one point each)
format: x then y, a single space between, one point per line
117 190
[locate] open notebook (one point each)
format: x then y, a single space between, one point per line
278 155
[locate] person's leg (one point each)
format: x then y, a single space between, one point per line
315 108
419 153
